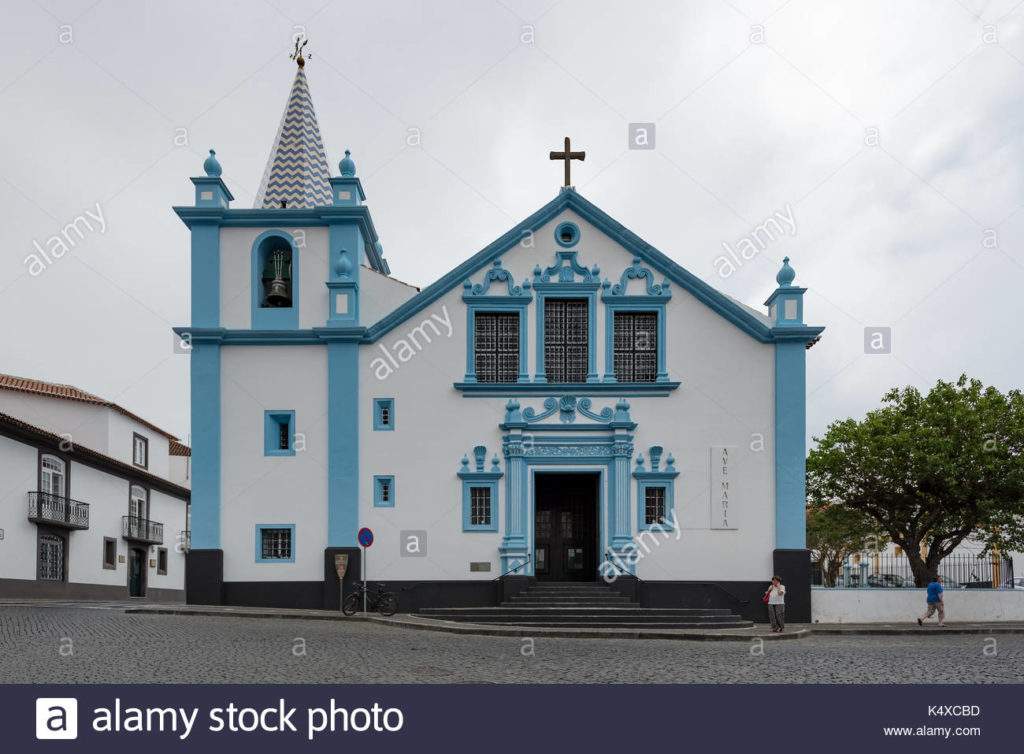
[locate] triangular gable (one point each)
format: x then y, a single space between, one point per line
744 318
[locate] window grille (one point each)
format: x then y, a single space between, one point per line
636 346
276 544
51 558
282 436
654 506
496 346
480 506
566 340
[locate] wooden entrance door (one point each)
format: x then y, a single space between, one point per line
565 530
136 572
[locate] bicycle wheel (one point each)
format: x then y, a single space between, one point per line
387 604
352 604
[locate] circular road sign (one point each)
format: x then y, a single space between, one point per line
365 537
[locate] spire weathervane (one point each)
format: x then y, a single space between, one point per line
300 44
568 155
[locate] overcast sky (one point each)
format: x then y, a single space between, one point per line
892 133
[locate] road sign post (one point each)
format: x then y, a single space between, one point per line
365 539
341 566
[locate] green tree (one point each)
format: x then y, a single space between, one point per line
930 469
834 532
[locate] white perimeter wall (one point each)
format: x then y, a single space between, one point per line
726 398
905 605
259 489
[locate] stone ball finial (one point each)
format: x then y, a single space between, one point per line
347 166
211 165
786 274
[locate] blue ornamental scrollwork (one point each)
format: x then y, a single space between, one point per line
637 271
497 274
567 407
565 270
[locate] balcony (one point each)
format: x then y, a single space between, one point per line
138 529
57 510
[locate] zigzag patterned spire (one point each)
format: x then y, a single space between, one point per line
297 175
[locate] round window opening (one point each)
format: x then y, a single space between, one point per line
567 234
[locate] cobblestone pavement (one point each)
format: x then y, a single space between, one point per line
101 644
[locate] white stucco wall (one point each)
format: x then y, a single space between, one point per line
380 295
259 489
18 474
85 423
905 605
726 398
236 275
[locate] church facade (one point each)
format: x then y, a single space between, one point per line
568 404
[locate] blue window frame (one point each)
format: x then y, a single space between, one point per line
275 543
479 505
275 314
384 414
512 301
384 491
567 234
652 300
655 500
278 433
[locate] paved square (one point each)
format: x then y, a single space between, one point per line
101 644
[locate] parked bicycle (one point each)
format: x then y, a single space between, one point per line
381 600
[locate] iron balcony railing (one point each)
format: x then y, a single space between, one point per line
142 530
57 510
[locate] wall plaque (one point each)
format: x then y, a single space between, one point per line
723 501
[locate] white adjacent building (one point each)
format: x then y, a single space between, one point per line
567 404
93 499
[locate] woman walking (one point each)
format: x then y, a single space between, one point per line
776 598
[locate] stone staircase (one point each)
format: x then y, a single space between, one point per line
584 605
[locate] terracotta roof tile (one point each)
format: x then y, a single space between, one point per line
71 393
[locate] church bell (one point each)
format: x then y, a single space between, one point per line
277 279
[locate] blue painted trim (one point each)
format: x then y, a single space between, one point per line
292 218
628 390
205 416
494 304
573 228
268 318
641 506
568 199
272 422
343 443
582 291
259 543
379 480
790 445
205 275
610 309
467 507
378 405
219 194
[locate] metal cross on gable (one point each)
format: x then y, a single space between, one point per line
568 155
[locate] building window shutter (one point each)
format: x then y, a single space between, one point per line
636 346
496 346
566 340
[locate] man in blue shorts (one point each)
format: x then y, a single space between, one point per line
935 603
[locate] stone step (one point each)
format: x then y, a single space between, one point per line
574 611
739 623
568 601
533 618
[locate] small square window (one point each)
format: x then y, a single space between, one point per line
161 561
384 492
479 505
384 414
109 553
275 543
140 451
279 433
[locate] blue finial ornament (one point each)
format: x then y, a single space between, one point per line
347 166
786 275
211 166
